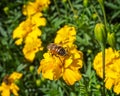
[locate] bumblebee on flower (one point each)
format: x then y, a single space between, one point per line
66 62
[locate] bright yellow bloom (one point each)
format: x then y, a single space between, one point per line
8 86
112 68
31 47
54 67
66 35
35 7
28 26
38 19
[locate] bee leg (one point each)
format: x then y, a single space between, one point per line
59 58
67 51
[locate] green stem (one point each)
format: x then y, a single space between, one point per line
103 45
103 63
58 11
62 85
104 15
71 6
96 13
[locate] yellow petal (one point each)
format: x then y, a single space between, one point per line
30 8
68 62
109 83
38 19
14 88
117 88
29 55
65 35
31 47
15 75
70 76
1 88
6 92
19 41
48 74
57 71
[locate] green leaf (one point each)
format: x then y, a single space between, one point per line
21 67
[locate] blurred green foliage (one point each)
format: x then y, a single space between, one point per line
83 14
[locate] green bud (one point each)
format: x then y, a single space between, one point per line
98 86
64 1
111 39
94 16
100 33
38 82
89 51
6 9
31 68
17 81
85 3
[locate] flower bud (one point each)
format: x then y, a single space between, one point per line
64 1
98 86
17 81
31 68
94 16
111 39
89 51
38 82
6 9
100 33
85 3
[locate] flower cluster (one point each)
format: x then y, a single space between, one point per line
8 85
112 68
28 31
54 67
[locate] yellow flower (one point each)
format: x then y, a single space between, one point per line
35 7
8 86
66 35
54 67
31 47
24 29
112 68
38 19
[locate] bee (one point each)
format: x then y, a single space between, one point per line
56 49
6 80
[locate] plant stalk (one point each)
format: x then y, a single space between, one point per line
71 6
104 15
58 11
103 63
